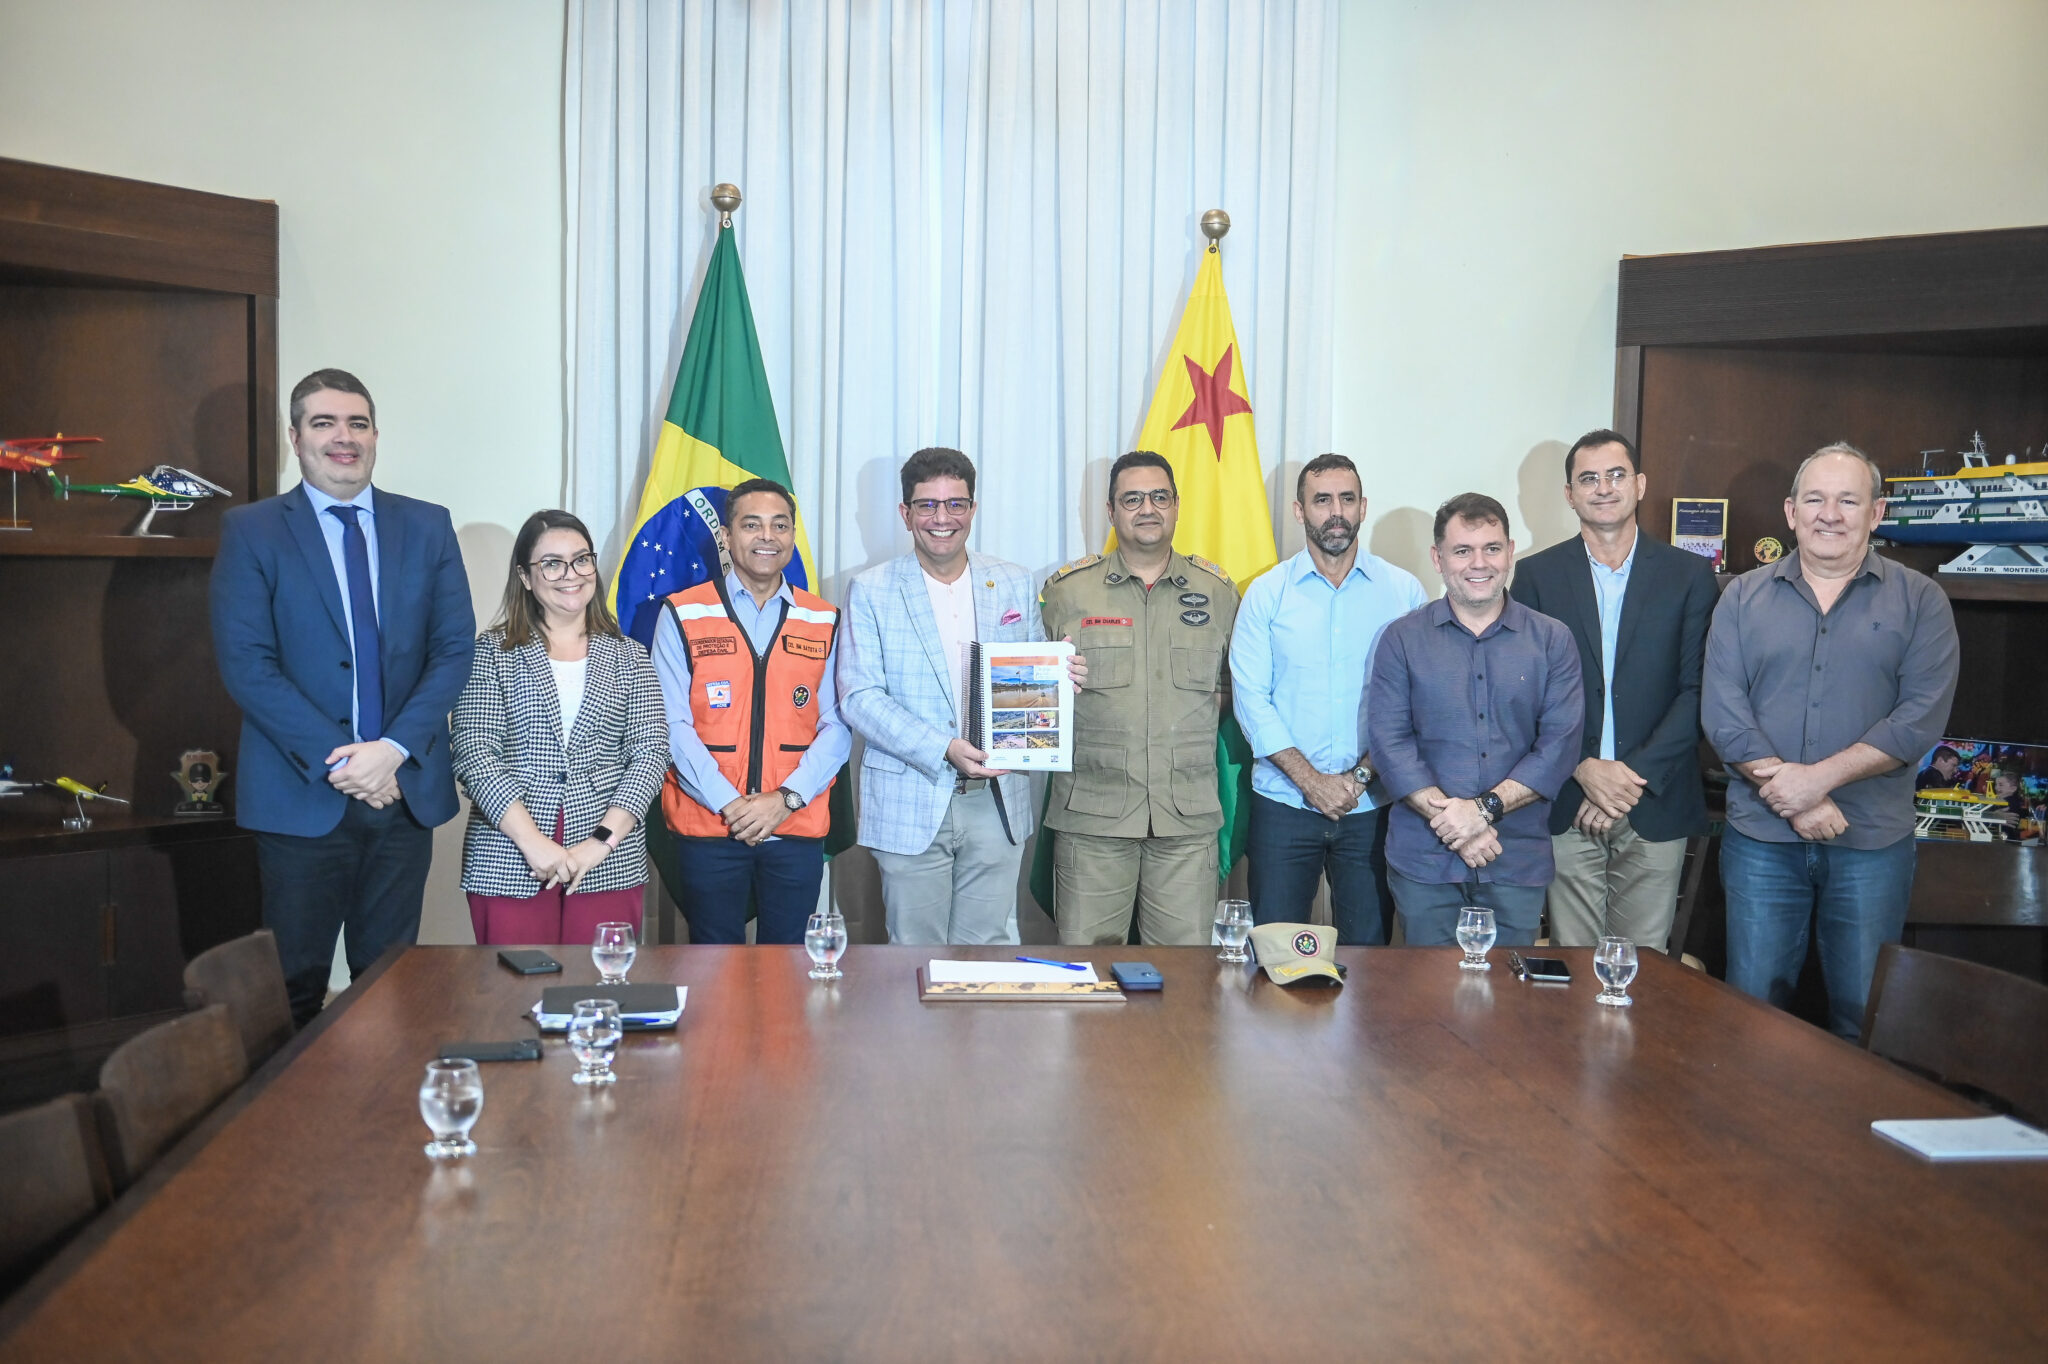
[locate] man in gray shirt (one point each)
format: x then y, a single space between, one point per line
1828 674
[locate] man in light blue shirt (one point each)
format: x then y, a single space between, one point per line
1300 661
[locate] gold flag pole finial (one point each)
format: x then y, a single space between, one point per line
725 198
1215 224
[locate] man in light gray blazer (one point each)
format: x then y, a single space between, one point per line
948 832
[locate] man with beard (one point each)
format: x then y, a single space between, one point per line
1474 724
1639 611
1299 661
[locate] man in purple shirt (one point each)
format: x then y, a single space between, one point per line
1475 720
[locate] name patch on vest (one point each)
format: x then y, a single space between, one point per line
717 644
1195 617
801 696
1105 620
719 694
804 647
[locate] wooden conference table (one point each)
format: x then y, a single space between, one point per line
1424 1164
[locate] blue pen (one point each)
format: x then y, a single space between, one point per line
1069 965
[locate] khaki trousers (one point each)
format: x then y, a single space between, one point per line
1619 884
1171 881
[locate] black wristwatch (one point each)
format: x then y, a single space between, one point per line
791 799
1491 806
605 836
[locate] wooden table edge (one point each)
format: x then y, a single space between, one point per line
81 1248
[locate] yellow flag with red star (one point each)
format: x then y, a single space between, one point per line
1201 420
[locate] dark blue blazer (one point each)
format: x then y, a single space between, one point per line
282 645
1660 651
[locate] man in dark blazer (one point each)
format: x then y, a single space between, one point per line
343 629
1639 611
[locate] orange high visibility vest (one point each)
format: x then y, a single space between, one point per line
757 715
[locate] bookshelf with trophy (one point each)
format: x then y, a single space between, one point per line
138 392
1930 353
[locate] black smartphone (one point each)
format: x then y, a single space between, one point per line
1137 975
528 961
1546 971
525 1049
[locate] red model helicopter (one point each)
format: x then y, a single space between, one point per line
33 455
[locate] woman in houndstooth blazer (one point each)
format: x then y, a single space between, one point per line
560 729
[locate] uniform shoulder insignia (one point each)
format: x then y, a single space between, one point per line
1199 562
1075 567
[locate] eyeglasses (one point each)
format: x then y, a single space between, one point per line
1161 497
929 506
554 570
1613 478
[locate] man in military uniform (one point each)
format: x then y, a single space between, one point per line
1135 822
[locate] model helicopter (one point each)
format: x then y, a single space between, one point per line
167 488
33 455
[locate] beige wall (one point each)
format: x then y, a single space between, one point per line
1498 159
414 150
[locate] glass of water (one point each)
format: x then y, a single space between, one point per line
1233 929
612 952
1614 962
1476 934
825 940
451 1097
594 1033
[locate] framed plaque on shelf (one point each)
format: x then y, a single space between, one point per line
1699 525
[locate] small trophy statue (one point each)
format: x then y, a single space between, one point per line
200 777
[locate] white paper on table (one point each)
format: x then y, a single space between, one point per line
560 1022
1005 973
1966 1138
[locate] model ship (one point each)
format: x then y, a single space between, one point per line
1999 510
1955 805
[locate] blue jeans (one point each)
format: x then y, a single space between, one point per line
720 875
1429 910
1291 849
1857 897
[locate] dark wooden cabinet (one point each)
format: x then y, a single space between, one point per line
1732 366
145 315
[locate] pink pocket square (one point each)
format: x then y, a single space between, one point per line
1012 616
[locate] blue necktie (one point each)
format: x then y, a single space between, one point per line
362 609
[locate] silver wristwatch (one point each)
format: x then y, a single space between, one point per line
1363 773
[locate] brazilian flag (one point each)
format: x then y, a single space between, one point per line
720 430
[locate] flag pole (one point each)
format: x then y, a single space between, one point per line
1215 226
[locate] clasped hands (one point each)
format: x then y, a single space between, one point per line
368 771
751 819
1462 826
1799 794
1612 789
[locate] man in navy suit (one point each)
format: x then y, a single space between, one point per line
1638 611
343 629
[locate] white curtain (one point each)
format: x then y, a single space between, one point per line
966 222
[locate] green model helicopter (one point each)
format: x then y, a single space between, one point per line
167 488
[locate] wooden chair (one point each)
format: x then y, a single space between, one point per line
245 975
53 1179
1963 1024
1697 850
158 1085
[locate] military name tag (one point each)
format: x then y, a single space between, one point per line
1194 599
1195 617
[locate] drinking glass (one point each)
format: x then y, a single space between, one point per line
594 1032
825 940
612 953
1233 928
1476 934
451 1097
1614 962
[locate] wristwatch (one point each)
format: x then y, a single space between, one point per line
791 799
605 836
1363 773
1490 805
